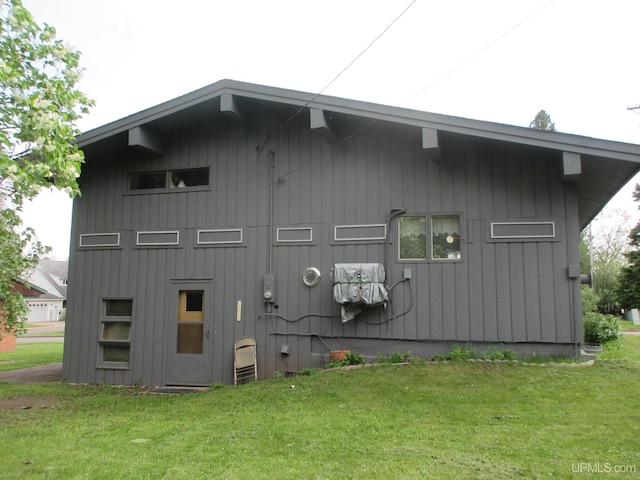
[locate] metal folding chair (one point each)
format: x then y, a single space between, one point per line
244 360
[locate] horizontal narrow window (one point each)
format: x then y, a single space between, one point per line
346 233
99 240
516 230
147 180
294 234
168 180
161 238
195 177
220 236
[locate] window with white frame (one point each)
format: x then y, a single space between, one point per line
412 238
445 237
437 239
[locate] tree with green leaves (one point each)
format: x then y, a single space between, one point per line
606 238
628 290
39 107
542 121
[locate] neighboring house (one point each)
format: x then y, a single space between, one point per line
51 277
223 213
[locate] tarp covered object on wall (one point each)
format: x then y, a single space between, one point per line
357 284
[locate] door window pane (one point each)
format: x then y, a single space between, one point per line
190 337
190 321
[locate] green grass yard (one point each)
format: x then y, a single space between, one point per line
30 355
437 420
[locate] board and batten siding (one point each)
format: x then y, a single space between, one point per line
510 292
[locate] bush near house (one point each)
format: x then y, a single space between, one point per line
598 328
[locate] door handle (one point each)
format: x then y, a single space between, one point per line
207 334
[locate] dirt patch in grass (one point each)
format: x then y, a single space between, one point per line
26 402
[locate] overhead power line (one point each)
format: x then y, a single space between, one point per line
349 65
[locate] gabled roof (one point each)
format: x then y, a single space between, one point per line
50 276
603 168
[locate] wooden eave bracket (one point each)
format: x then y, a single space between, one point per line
319 124
430 143
146 139
571 166
229 107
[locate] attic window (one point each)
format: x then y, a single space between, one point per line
196 177
163 181
147 180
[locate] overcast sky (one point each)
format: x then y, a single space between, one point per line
495 60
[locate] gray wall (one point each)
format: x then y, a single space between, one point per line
516 293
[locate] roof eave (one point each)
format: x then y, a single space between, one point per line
477 128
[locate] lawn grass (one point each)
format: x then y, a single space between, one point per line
31 355
434 421
628 325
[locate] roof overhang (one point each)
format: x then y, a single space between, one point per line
603 166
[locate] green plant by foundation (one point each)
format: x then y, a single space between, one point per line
460 353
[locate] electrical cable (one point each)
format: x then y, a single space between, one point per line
442 77
357 57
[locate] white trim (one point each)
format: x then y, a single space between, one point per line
83 235
352 239
552 223
304 240
221 242
151 232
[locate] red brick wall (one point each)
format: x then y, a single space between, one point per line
8 340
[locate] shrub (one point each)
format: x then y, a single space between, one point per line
602 329
458 354
505 354
349 359
590 300
394 357
353 359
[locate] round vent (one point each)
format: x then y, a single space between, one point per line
311 277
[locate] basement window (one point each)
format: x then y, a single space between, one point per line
115 332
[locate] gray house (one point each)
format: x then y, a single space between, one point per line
315 223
